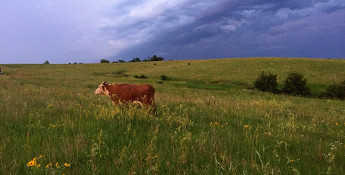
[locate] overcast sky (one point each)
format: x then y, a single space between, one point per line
64 31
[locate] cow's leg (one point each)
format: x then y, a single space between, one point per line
149 102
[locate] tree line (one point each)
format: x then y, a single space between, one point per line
136 59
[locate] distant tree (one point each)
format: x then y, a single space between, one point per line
136 59
121 61
266 82
115 62
155 58
296 84
104 61
46 62
335 91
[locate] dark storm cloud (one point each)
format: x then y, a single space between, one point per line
264 28
82 31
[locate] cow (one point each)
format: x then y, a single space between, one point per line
128 93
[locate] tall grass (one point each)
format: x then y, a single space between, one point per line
50 111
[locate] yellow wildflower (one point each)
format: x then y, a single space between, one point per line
210 123
49 165
39 165
67 164
156 156
337 124
246 126
292 160
57 164
32 162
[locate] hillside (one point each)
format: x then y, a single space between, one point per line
209 119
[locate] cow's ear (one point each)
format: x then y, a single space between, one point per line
104 83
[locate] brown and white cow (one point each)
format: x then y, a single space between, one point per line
128 93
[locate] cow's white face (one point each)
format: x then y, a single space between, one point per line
101 90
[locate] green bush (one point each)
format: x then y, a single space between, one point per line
142 76
296 84
164 77
266 82
335 91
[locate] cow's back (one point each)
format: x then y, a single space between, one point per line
132 92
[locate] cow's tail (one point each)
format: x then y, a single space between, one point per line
154 106
153 102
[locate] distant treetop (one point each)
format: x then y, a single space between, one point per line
136 59
155 58
104 61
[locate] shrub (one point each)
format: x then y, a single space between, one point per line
266 82
335 91
142 76
46 62
164 77
296 84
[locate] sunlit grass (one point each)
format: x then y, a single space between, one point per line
207 122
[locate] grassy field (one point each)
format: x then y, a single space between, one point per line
209 120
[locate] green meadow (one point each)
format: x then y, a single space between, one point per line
209 120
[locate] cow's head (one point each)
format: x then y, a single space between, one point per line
102 90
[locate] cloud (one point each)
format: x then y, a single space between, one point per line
224 25
85 31
134 24
267 29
